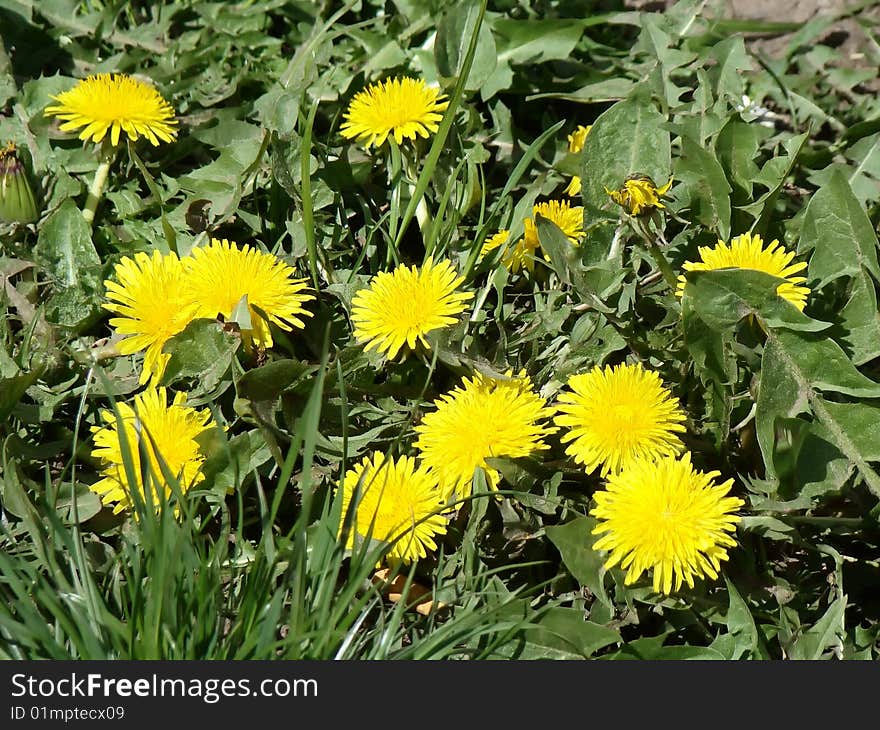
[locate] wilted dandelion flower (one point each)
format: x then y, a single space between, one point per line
747 252
401 307
575 144
222 275
398 503
639 194
483 417
116 103
153 427
614 416
400 107
148 296
667 517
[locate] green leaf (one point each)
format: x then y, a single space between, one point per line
556 246
740 624
723 297
840 235
269 381
736 147
574 540
795 368
861 321
772 176
450 47
562 633
707 185
223 181
628 138
203 351
65 251
713 362
828 632
13 388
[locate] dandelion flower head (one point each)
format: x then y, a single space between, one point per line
666 517
222 274
152 427
115 103
398 503
151 307
747 252
398 107
613 416
402 307
575 144
639 194
481 418
521 254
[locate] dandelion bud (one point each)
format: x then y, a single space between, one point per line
639 194
17 204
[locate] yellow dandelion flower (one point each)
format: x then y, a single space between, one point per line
639 194
398 503
667 517
569 219
400 107
747 252
148 297
577 138
575 144
496 241
521 255
152 427
401 307
481 418
573 187
617 415
221 275
116 103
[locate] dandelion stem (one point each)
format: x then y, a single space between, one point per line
663 265
97 188
656 254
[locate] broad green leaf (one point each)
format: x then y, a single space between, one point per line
827 633
269 381
731 59
736 147
740 623
861 321
707 185
228 464
563 633
840 235
65 251
556 246
629 138
772 176
574 540
223 181
13 388
713 362
203 351
450 47
795 368
722 297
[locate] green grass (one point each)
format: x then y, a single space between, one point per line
250 564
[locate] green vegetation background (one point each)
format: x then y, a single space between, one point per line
786 146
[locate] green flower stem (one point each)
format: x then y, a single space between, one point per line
100 180
656 254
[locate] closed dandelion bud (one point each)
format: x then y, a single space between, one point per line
17 204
